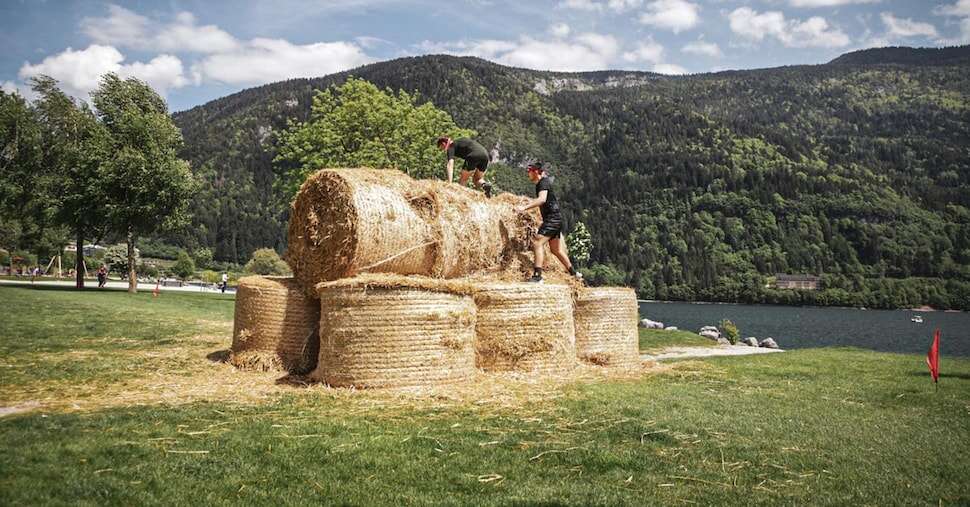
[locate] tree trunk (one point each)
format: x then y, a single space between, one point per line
79 262
132 276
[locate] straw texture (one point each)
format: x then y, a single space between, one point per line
525 327
275 326
373 337
606 326
350 221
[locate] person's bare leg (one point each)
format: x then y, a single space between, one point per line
479 179
558 247
464 177
537 249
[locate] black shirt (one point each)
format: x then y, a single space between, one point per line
466 148
550 208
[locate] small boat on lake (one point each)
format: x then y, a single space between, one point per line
917 319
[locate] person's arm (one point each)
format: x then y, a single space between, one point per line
538 201
450 168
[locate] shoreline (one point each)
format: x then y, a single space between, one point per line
923 308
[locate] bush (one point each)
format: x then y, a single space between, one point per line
266 261
149 270
184 266
116 258
209 276
203 258
729 330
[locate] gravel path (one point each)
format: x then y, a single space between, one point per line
694 352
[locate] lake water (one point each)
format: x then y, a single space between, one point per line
803 327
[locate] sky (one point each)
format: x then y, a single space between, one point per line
193 51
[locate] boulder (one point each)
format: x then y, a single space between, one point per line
709 328
750 341
769 343
723 341
713 335
651 324
670 328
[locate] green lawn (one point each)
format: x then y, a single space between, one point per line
831 427
655 340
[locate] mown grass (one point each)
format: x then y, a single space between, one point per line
655 340
824 427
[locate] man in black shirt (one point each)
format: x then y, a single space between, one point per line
551 229
475 159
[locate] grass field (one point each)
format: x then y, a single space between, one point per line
126 404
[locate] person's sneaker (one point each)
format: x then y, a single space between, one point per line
535 279
487 187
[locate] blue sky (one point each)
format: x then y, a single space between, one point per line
194 51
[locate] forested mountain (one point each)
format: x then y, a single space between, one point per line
693 187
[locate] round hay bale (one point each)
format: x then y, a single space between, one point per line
345 222
606 326
275 326
349 220
372 337
525 327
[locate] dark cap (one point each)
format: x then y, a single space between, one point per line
535 166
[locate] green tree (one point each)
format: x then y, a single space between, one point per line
74 145
147 186
266 261
358 125
184 267
116 258
580 244
202 257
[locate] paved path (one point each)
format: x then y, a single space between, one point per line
115 285
698 352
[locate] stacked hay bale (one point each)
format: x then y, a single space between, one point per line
409 283
275 326
525 327
350 221
606 326
394 332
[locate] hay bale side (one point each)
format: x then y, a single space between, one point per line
394 337
606 326
349 221
525 327
275 326
345 221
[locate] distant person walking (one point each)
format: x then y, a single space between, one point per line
225 282
475 161
102 276
550 231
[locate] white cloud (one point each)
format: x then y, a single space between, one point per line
596 5
828 3
79 72
121 28
674 15
185 35
8 87
584 52
906 27
699 47
960 8
649 51
559 30
582 5
669 68
124 28
268 60
813 32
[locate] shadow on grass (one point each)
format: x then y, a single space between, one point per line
218 356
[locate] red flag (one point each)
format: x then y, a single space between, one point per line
933 357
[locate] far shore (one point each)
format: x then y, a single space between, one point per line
924 308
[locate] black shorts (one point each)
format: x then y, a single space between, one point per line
475 164
551 228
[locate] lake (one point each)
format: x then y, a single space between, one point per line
804 327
